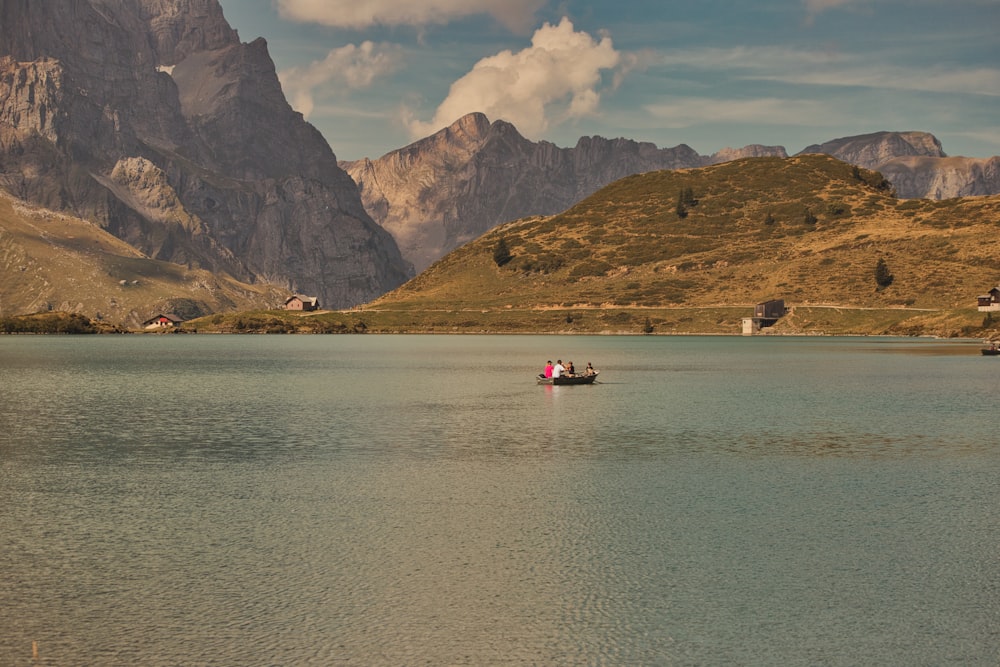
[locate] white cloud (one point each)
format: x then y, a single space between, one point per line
816 7
816 89
978 81
557 78
349 67
834 69
819 6
691 111
518 15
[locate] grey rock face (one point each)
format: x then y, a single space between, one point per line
92 90
753 150
916 165
917 177
872 150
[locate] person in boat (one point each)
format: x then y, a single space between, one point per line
589 370
558 370
547 373
570 369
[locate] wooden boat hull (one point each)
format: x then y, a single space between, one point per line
575 379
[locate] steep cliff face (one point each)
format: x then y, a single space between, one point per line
918 177
102 99
453 186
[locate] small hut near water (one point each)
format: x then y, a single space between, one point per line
301 302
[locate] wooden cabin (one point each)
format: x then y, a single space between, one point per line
773 309
300 302
990 301
765 314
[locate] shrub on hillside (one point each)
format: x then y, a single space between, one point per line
883 278
592 268
501 253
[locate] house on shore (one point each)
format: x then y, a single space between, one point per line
162 321
989 302
300 302
765 314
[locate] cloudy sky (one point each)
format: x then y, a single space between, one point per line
375 75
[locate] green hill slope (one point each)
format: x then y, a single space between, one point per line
55 262
808 229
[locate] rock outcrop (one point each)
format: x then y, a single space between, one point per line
153 120
918 177
916 165
873 150
753 150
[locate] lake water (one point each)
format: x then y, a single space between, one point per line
403 500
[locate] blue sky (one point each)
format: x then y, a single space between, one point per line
375 75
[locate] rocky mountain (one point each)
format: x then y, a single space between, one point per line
916 165
449 188
151 119
942 177
873 150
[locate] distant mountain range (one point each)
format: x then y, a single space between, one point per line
449 188
149 120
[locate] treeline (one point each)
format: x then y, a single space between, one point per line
268 323
48 323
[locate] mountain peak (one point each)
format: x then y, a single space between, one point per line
874 149
470 128
180 27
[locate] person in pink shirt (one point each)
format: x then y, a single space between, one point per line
548 369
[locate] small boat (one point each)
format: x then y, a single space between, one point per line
568 379
991 351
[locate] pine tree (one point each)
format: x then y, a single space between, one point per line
501 254
882 276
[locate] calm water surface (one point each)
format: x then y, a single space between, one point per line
401 500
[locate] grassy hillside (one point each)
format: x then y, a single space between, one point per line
808 229
54 262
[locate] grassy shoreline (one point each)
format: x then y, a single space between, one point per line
719 320
801 320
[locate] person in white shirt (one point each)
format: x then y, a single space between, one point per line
558 369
